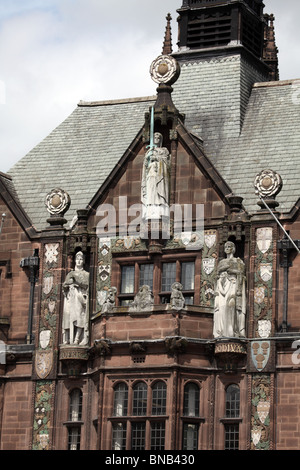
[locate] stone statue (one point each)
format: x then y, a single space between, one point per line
156 181
230 296
177 298
110 301
143 300
76 304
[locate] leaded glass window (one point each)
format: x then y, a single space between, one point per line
139 399
191 400
159 398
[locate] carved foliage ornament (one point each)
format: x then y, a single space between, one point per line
164 69
268 183
57 202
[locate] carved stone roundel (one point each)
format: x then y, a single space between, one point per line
268 183
164 69
57 201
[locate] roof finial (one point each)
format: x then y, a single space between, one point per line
270 51
167 46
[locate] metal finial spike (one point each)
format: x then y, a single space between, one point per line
167 46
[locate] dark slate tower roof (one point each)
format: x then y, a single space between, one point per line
215 23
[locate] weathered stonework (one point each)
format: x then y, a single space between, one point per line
208 268
262 399
263 279
43 401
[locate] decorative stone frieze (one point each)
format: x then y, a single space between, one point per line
263 282
261 405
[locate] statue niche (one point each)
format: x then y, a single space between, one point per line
156 180
76 304
230 296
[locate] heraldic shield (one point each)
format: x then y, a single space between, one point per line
260 354
43 363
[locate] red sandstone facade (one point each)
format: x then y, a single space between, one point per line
173 348
154 379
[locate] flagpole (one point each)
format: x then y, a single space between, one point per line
273 215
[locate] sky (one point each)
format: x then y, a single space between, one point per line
54 53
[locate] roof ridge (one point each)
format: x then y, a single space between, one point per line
117 101
276 83
5 175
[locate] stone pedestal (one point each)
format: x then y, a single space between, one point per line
73 358
229 353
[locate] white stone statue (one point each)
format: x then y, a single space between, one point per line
177 299
110 301
156 180
230 296
143 301
76 304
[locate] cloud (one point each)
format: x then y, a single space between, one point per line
54 53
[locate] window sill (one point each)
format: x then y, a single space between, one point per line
192 419
231 420
138 418
73 424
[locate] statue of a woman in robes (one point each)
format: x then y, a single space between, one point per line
156 180
76 304
230 296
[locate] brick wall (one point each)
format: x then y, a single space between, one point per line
17 416
288 410
15 286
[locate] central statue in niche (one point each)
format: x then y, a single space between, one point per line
155 192
230 296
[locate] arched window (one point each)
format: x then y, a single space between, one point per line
139 407
191 400
191 410
232 401
120 400
232 412
159 398
138 420
75 408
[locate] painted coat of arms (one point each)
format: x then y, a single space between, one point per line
256 435
48 284
104 271
260 354
104 246
43 363
192 240
263 409
264 238
208 265
210 238
265 271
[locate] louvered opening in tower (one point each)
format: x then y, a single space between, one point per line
209 30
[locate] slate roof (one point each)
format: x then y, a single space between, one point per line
270 138
78 155
245 129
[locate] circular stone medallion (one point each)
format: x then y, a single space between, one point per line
57 201
268 183
165 69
